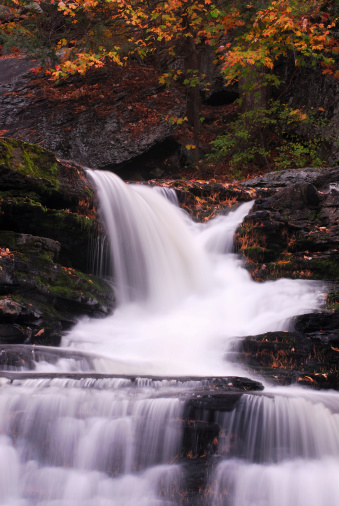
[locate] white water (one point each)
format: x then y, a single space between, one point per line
86 443
151 248
183 295
183 299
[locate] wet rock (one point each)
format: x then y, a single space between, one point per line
13 334
46 296
205 200
16 310
43 197
308 355
295 231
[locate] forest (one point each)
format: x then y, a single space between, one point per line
248 57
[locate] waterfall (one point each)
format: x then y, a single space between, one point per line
67 444
272 429
183 295
101 420
153 253
281 450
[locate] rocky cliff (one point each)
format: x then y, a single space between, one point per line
107 118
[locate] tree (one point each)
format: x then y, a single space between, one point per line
247 39
97 31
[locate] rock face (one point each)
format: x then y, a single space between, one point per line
47 218
106 119
294 232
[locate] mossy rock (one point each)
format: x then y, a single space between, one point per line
258 254
41 296
47 223
36 322
30 171
307 356
73 231
61 285
332 299
30 160
297 268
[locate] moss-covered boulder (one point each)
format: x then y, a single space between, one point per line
43 196
47 222
41 298
29 168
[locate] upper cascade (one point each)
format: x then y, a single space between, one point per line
154 256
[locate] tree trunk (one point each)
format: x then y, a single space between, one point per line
255 93
252 90
192 62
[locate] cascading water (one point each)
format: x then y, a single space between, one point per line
281 450
72 435
151 249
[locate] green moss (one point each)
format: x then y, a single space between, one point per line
332 300
21 201
73 285
324 268
258 254
254 253
36 270
245 228
319 269
49 312
29 159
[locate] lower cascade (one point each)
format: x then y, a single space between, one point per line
143 407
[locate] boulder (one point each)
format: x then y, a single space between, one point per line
47 221
306 355
106 118
294 232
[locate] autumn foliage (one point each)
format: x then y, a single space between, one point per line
242 38
241 35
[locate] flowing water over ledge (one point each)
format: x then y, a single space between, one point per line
96 422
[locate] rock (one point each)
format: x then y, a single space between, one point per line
307 355
47 219
7 14
41 196
16 310
105 119
295 231
30 242
203 200
321 178
43 294
31 7
13 334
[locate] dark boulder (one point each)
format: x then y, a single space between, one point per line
294 232
106 118
307 355
47 220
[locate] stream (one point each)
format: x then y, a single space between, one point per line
138 409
